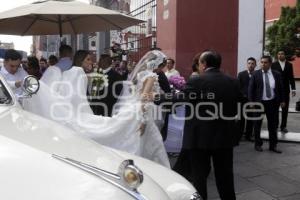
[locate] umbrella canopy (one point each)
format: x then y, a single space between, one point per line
54 17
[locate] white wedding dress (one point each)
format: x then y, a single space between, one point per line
62 98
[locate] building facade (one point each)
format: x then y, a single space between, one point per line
143 37
273 8
104 40
7 45
46 45
273 11
182 29
96 43
185 28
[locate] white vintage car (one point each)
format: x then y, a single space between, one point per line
42 160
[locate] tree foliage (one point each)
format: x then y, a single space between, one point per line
282 34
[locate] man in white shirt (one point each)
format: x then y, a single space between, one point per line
66 54
12 72
171 69
266 87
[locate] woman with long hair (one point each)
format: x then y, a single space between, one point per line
33 67
82 58
195 65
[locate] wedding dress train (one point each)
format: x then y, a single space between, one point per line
62 98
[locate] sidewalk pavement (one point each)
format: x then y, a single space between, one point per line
297 97
292 124
263 175
258 175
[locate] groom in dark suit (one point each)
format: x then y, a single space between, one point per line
103 104
285 68
209 135
265 87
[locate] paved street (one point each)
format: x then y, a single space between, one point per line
293 100
263 176
294 118
266 175
293 122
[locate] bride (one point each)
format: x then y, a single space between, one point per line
62 98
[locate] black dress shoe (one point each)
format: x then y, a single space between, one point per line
275 150
258 148
284 130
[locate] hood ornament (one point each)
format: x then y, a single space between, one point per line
128 179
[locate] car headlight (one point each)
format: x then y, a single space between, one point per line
195 196
131 175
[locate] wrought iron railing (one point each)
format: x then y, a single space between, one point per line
141 38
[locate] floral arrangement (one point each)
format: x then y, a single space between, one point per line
178 82
98 81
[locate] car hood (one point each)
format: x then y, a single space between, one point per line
52 138
27 143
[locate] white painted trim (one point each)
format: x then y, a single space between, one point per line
250 31
272 20
287 137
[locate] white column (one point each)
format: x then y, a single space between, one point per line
250 31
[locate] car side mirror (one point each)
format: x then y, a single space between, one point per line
30 85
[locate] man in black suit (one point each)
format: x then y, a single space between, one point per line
265 87
209 134
106 98
244 78
285 68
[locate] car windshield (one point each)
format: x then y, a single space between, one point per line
5 98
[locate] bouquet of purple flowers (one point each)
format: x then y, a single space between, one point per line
178 82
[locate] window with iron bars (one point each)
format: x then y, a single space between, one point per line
141 38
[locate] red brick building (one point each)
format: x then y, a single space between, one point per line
273 10
185 28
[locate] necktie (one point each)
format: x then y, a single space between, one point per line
267 85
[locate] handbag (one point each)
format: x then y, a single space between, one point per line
298 106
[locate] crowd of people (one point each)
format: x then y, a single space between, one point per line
208 135
271 85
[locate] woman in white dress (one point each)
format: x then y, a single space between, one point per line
62 97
